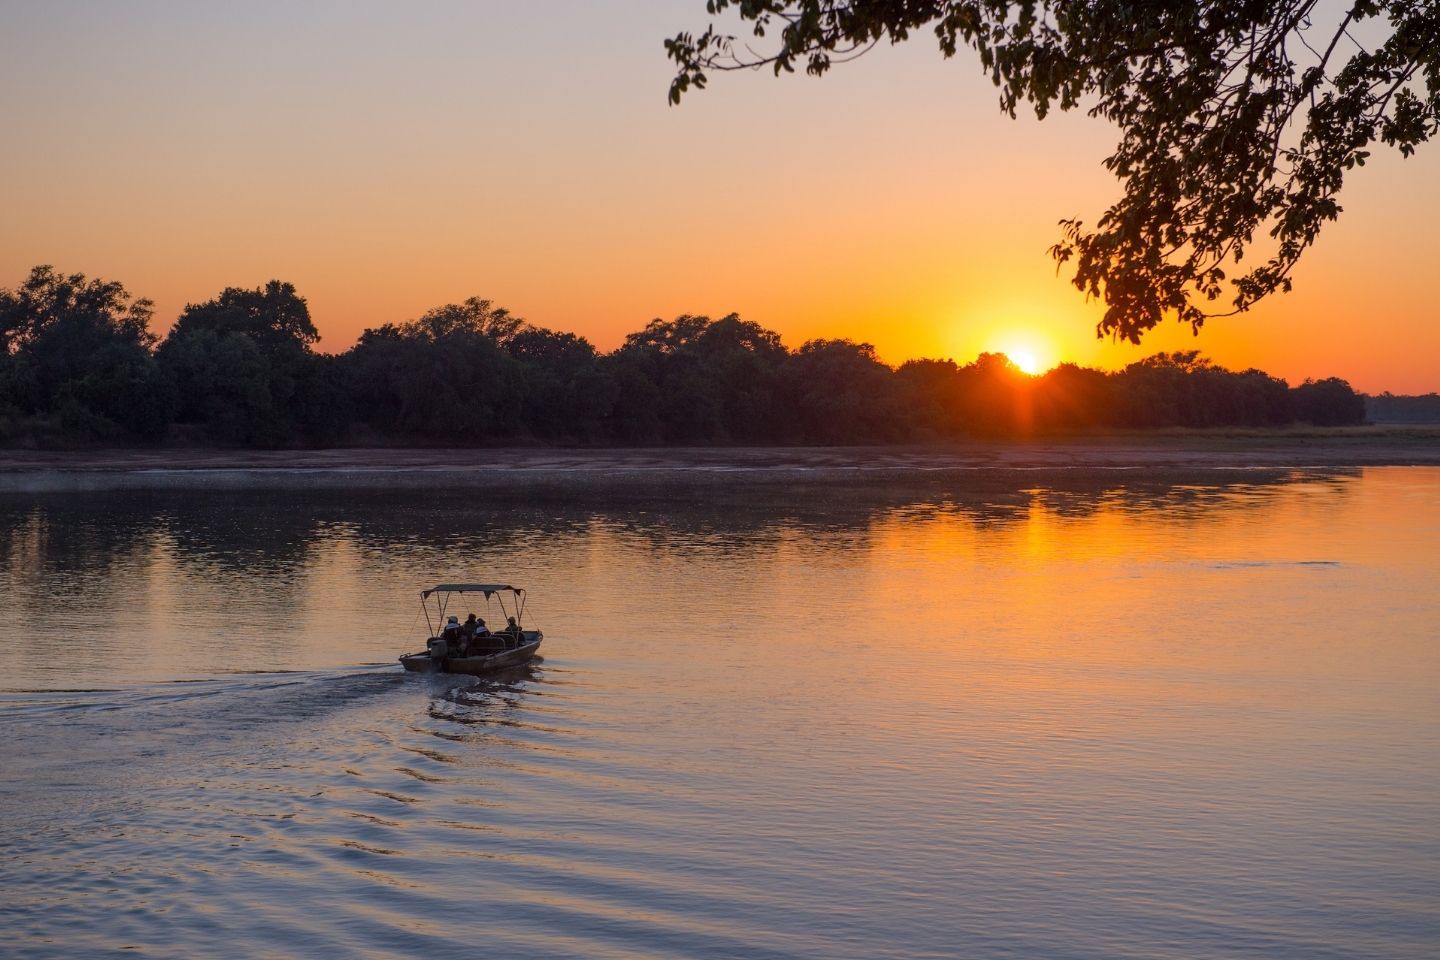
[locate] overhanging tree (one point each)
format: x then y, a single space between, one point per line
1238 119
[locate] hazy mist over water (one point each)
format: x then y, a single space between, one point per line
1055 718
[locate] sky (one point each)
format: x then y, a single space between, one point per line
387 158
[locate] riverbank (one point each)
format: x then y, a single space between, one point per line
38 471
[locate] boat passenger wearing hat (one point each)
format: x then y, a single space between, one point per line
452 635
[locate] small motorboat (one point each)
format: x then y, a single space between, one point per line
462 648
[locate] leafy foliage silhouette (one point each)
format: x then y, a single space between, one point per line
1237 120
79 366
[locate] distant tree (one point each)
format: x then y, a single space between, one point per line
1071 397
696 380
59 322
1184 361
81 348
839 392
662 393
995 397
731 336
1185 389
274 316
1236 118
665 391
743 361
929 391
1389 408
566 394
442 377
123 387
323 408
668 336
226 386
635 412
7 384
1157 391
1328 403
541 345
473 316
243 371
1261 400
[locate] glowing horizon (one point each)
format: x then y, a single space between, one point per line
389 161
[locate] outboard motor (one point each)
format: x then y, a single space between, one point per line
438 647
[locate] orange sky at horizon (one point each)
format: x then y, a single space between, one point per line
387 161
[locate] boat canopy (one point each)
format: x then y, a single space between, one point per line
489 589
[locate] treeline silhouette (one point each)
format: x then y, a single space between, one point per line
79 365
1389 408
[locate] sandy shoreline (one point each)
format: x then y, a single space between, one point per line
37 471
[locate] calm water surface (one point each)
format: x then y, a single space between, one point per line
953 718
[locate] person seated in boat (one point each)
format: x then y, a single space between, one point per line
467 636
480 641
452 635
511 633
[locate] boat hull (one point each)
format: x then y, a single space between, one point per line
474 666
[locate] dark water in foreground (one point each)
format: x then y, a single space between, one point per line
1062 720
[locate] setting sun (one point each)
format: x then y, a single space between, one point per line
1028 352
1025 361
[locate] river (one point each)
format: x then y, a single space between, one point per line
1044 716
